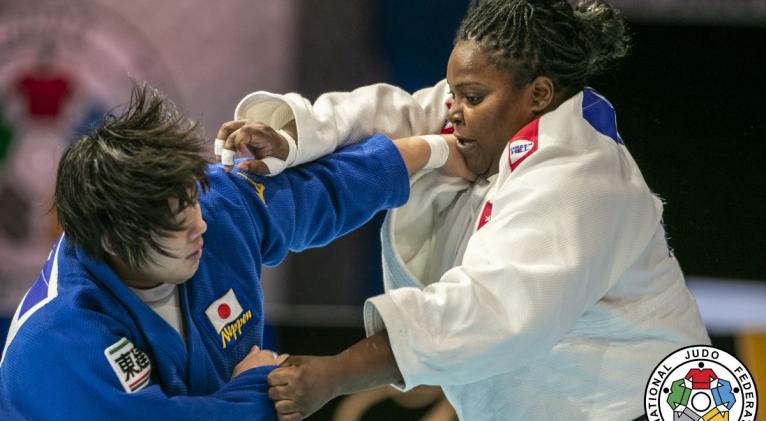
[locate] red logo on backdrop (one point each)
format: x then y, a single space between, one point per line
45 91
523 144
486 215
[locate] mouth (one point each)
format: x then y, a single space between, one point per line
197 254
464 142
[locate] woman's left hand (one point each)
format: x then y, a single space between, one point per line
302 385
258 358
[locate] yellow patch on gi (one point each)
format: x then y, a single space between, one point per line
259 188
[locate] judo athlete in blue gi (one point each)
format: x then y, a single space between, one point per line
131 316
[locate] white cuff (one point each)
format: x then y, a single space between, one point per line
380 313
439 151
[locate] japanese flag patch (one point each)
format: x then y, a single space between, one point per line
224 310
130 364
228 318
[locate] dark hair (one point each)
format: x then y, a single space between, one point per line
114 183
548 38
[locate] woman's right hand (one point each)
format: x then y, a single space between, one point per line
259 139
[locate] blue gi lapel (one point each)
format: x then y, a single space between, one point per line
152 334
199 364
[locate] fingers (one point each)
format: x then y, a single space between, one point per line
277 393
281 359
295 416
259 139
254 166
272 357
254 136
280 376
287 409
229 128
286 406
287 372
258 357
224 132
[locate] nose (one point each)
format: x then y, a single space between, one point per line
199 229
455 113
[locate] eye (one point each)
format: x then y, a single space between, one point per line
474 100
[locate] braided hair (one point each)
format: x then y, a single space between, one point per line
547 38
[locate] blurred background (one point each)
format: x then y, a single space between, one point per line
688 100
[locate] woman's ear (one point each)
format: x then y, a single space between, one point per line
542 93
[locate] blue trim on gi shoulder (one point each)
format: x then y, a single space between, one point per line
597 111
39 290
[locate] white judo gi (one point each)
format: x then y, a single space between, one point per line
546 292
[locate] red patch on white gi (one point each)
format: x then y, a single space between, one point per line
523 144
448 128
486 215
224 310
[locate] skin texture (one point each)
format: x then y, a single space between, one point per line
259 139
304 383
185 246
258 357
488 108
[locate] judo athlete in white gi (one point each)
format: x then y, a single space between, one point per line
131 317
545 290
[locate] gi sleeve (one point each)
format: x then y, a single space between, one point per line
311 205
74 376
340 118
562 232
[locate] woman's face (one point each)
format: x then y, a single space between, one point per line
185 247
487 108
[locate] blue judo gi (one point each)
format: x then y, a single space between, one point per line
82 345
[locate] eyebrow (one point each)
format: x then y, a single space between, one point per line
462 85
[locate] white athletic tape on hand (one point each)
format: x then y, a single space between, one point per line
292 152
439 151
227 157
218 147
276 165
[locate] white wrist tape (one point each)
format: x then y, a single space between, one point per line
276 165
227 157
439 151
218 147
